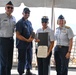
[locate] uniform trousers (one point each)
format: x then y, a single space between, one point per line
28 59
60 60
24 59
44 65
6 55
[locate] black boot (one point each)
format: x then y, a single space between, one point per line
28 72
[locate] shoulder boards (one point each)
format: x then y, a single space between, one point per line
67 27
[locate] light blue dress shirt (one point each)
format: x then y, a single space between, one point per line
7 25
63 35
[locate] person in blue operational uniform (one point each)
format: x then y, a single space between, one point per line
24 42
64 40
44 63
7 24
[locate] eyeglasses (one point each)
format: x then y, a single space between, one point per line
44 22
9 7
27 12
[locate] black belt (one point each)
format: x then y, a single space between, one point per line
60 46
6 37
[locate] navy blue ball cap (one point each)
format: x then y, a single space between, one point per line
9 3
26 10
44 19
61 17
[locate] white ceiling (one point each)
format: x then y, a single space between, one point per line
42 3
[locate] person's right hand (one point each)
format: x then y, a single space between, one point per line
37 40
30 39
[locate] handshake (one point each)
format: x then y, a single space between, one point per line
33 35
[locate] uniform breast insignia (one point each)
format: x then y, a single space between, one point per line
5 20
67 27
25 26
64 31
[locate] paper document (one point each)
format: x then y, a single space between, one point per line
42 51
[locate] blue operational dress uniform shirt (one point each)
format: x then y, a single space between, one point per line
44 63
24 27
7 25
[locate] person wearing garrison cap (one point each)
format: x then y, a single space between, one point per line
24 42
64 38
7 24
44 63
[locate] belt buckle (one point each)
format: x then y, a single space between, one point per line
59 46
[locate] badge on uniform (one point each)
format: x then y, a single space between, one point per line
64 31
25 26
5 20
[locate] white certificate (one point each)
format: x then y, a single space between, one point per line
42 51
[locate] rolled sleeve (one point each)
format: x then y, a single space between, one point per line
52 37
19 27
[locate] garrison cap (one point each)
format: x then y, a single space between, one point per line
61 17
9 3
44 19
26 10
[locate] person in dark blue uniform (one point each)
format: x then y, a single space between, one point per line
24 42
64 37
7 24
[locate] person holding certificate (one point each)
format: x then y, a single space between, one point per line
45 39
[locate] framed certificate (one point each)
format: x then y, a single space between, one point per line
43 39
42 45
